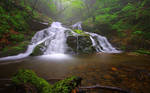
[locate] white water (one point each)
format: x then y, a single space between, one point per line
54 42
100 43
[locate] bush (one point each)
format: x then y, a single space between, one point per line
17 37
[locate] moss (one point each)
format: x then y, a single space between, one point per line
141 51
80 32
29 77
66 85
37 51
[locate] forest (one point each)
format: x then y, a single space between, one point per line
75 40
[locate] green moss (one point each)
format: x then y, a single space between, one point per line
66 85
141 51
80 32
37 51
28 76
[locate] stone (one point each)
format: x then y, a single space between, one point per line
84 44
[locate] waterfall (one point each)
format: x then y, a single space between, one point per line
100 43
58 44
54 38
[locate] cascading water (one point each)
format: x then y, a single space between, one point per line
78 26
54 41
100 43
58 44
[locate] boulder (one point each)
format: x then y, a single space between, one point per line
82 45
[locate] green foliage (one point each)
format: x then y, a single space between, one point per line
106 18
146 35
137 32
15 19
105 10
18 21
143 3
77 3
17 37
17 48
2 10
14 50
129 7
120 26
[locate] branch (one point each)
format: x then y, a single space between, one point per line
105 87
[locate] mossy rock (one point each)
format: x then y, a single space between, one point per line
84 44
66 85
37 51
29 78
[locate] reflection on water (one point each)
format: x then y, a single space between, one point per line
118 70
55 57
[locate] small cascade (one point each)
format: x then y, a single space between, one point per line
79 27
100 43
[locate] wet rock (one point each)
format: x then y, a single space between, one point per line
38 50
81 46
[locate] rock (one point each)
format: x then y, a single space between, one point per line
37 51
84 45
37 25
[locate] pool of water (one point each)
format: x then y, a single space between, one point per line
129 72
